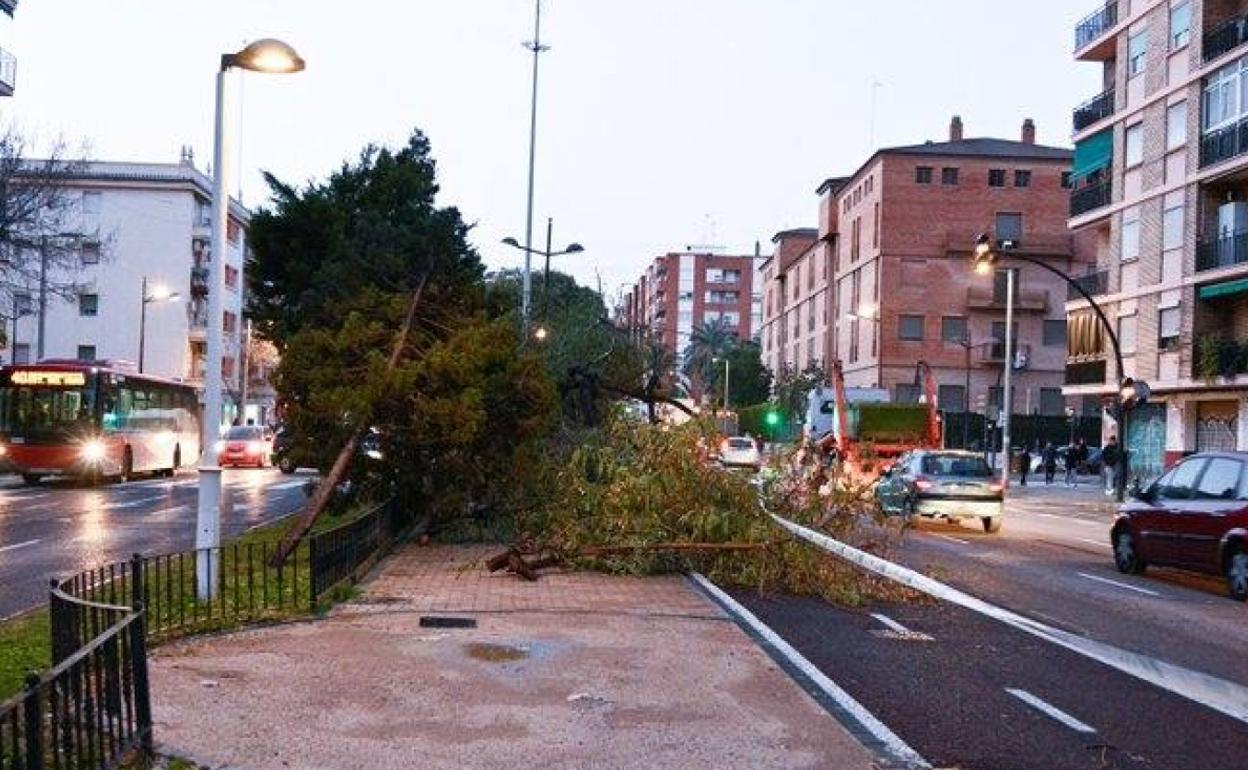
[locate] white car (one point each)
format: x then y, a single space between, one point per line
739 452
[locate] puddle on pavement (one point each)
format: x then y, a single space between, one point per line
496 653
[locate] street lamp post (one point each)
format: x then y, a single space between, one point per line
717 359
1129 390
272 56
534 45
158 294
573 248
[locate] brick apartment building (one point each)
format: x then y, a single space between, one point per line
895 240
1161 175
681 291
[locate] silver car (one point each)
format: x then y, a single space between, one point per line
942 484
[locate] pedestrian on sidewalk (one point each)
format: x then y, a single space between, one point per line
1075 456
1049 457
1024 461
1110 456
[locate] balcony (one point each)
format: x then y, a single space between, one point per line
1095 25
1214 253
1086 373
1093 283
1092 197
993 353
8 73
1025 300
1224 38
1224 143
1095 109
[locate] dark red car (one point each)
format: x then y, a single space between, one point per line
1195 517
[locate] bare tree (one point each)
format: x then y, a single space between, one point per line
46 238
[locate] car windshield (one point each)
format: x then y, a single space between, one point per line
244 433
967 466
740 443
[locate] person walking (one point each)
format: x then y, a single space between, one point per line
1076 453
1110 456
1024 460
1048 456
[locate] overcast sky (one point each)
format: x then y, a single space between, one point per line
661 122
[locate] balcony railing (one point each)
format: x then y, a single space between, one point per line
1093 283
8 73
1217 146
1085 373
1091 197
1226 36
1097 108
1096 24
1222 252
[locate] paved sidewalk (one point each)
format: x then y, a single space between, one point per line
577 670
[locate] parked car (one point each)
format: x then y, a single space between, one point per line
944 484
739 452
245 445
1194 517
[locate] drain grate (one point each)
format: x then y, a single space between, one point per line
442 621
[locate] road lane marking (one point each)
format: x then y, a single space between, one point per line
1223 695
287 485
1051 711
885 739
1119 584
1101 543
15 546
943 536
132 503
897 630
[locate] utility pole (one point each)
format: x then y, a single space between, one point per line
142 322
535 45
244 359
1009 370
43 297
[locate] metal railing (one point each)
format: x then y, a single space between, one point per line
1221 252
344 552
1093 283
1227 142
1223 38
1085 373
1096 24
1091 197
1097 108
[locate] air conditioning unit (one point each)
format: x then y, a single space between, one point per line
1020 359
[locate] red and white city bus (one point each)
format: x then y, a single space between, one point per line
94 420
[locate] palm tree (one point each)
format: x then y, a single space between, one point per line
707 342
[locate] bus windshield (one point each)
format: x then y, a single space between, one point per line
46 411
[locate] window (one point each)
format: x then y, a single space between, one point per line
1172 227
906 393
1180 24
231 276
949 175
1130 234
1066 180
23 303
86 352
910 327
1000 285
1135 145
951 398
853 340
88 304
1137 52
953 328
21 353
1022 179
923 175
1055 331
732 276
1009 226
1176 125
1168 326
233 231
1178 483
996 177
89 252
875 226
1126 334
1052 402
1221 100
1220 481
228 321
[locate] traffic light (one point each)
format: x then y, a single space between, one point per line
1134 393
772 418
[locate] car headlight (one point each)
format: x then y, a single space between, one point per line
219 447
374 454
255 447
4 450
93 451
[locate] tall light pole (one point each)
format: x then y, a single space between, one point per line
1007 397
534 45
265 55
572 248
158 294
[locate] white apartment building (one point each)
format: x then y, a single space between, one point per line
1160 180
138 222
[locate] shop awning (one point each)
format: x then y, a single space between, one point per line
1224 289
1094 153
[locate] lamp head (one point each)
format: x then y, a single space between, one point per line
511 242
540 334
983 256
265 55
574 248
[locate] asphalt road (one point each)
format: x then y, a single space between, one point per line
978 694
59 528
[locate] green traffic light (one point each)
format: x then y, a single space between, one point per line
773 418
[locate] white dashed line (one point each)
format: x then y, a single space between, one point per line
897 630
1051 711
1101 543
15 546
943 536
1118 584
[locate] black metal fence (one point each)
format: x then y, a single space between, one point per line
1227 142
1025 430
344 552
1091 197
1225 37
1096 24
1097 108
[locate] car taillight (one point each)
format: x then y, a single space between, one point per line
923 484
